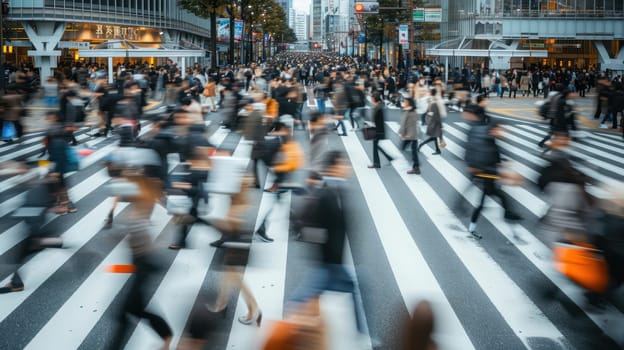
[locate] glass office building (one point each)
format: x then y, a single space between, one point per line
583 34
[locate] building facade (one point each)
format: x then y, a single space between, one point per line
317 25
50 32
581 34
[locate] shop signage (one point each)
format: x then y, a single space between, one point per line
73 45
427 15
19 43
433 15
418 15
103 31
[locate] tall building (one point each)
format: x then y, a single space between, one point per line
286 5
317 21
301 29
301 26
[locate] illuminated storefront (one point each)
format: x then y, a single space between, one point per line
46 33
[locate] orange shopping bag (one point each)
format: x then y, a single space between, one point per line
583 264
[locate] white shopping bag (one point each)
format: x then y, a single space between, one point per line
226 174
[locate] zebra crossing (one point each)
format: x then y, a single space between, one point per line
408 242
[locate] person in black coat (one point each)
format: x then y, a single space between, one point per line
483 159
380 131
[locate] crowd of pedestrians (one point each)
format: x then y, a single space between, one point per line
266 104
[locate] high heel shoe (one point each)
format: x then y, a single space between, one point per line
247 321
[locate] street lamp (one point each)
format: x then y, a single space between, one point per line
365 42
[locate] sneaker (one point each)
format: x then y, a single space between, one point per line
603 126
414 171
436 153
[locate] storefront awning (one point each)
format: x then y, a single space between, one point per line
481 48
141 53
122 48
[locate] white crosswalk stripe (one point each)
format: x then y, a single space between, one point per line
82 311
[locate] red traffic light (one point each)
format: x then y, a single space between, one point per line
366 7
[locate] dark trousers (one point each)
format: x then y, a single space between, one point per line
490 188
613 115
599 106
376 150
546 138
414 143
340 124
135 305
354 117
434 139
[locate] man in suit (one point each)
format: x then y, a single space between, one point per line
380 131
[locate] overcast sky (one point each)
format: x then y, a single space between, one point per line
302 5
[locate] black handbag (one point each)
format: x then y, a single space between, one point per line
369 132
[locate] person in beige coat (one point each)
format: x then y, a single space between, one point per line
409 132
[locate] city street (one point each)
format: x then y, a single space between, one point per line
407 242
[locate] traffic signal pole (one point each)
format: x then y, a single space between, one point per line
2 49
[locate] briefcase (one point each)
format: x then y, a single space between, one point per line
369 132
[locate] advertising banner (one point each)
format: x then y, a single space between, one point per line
403 35
223 29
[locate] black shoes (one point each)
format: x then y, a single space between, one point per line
11 288
475 235
109 221
176 246
436 153
218 243
511 216
263 237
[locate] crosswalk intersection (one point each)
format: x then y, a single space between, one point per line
407 242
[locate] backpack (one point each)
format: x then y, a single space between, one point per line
544 109
548 109
356 97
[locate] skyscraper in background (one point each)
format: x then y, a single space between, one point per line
286 5
317 21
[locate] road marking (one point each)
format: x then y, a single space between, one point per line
531 247
404 256
38 269
81 312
